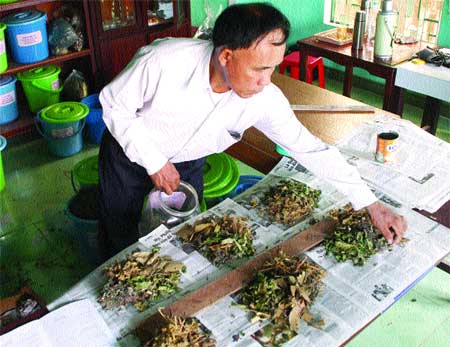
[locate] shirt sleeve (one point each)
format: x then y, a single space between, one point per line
325 161
121 101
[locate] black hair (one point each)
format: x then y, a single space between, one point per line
239 26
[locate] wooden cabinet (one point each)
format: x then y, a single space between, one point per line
121 27
83 60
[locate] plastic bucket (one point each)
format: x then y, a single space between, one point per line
220 175
8 101
3 58
282 151
41 86
94 121
82 212
85 173
244 183
2 174
27 36
61 125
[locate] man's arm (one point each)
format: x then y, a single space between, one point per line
282 126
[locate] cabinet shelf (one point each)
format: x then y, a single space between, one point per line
24 3
15 68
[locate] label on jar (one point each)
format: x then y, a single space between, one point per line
7 98
29 39
2 46
62 133
55 84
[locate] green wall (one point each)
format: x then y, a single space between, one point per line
306 17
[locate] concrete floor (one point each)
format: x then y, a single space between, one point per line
40 250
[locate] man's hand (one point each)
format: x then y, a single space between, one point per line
391 225
167 179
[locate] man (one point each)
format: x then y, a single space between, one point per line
180 100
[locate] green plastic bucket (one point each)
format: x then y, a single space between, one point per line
2 174
61 125
3 58
41 86
220 175
282 151
85 173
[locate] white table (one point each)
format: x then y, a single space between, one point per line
430 80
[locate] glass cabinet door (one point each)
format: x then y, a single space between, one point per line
117 13
160 12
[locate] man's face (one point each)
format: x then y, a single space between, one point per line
248 71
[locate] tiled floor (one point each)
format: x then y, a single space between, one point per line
40 250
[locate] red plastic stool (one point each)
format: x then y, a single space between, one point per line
292 61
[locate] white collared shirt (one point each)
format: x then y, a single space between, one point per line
161 108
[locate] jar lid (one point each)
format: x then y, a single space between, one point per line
220 174
24 17
39 72
7 80
3 143
63 112
85 172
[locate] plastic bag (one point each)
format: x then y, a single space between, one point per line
74 87
61 36
73 16
204 31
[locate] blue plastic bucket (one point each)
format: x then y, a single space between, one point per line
245 182
85 231
8 100
95 126
27 36
61 125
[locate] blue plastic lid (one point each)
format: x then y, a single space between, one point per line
2 143
7 80
25 17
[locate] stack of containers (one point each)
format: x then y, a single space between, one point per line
27 36
8 100
220 176
41 86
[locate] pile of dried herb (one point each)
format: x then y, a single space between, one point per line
290 201
140 279
354 238
220 239
281 292
181 332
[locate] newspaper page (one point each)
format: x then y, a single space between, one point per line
352 296
378 283
418 177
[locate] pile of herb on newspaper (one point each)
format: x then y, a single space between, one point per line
140 279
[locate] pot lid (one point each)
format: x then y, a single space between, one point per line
39 72
64 112
24 17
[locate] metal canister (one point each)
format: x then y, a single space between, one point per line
359 30
386 146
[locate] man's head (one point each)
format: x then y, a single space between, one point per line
249 42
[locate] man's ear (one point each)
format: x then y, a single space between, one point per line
225 56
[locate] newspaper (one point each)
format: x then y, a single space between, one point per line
420 174
377 284
352 296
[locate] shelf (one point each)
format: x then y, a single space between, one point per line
23 3
22 125
15 68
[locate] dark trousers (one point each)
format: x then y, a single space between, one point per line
123 186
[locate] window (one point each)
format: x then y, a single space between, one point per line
416 19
